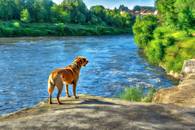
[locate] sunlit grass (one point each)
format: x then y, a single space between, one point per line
137 94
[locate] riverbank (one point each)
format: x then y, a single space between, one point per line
91 112
19 29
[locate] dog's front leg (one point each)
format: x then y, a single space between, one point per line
67 92
74 90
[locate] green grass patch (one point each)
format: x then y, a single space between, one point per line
137 94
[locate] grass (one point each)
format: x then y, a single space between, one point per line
175 55
16 28
137 94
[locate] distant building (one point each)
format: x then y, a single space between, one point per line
143 12
146 12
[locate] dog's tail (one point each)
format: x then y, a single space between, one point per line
51 84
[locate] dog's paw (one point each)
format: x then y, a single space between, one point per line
50 103
59 103
76 97
68 96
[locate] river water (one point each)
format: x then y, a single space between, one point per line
114 63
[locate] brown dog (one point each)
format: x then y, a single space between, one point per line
67 75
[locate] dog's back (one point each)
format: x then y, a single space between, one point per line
58 77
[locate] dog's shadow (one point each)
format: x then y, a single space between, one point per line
96 101
84 102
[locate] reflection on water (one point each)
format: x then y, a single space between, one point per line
114 63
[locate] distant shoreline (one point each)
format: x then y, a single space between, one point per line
18 29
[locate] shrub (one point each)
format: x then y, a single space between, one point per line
148 97
138 94
143 30
132 94
154 51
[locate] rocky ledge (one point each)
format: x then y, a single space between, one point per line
98 113
183 94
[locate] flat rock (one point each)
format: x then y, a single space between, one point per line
98 113
183 94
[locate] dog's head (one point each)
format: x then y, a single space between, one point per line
81 60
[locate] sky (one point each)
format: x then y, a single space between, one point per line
115 3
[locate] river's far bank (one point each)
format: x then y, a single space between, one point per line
19 29
92 112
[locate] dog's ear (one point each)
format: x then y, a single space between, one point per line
78 57
79 61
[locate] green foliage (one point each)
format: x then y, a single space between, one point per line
143 30
25 16
176 13
123 8
149 96
171 42
132 94
43 18
139 8
137 94
16 28
77 10
185 13
154 51
177 53
167 12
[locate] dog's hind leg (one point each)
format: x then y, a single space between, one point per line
67 92
74 90
50 91
60 87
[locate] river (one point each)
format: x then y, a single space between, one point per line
114 63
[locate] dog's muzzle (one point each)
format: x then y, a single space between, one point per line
86 63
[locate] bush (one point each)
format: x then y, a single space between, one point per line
154 51
138 94
132 94
149 96
143 30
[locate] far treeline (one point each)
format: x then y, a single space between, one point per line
70 17
168 38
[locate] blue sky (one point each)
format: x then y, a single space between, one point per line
116 3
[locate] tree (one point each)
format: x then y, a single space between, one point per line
99 11
59 14
8 10
78 10
40 10
139 8
143 29
185 13
167 12
25 16
123 8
